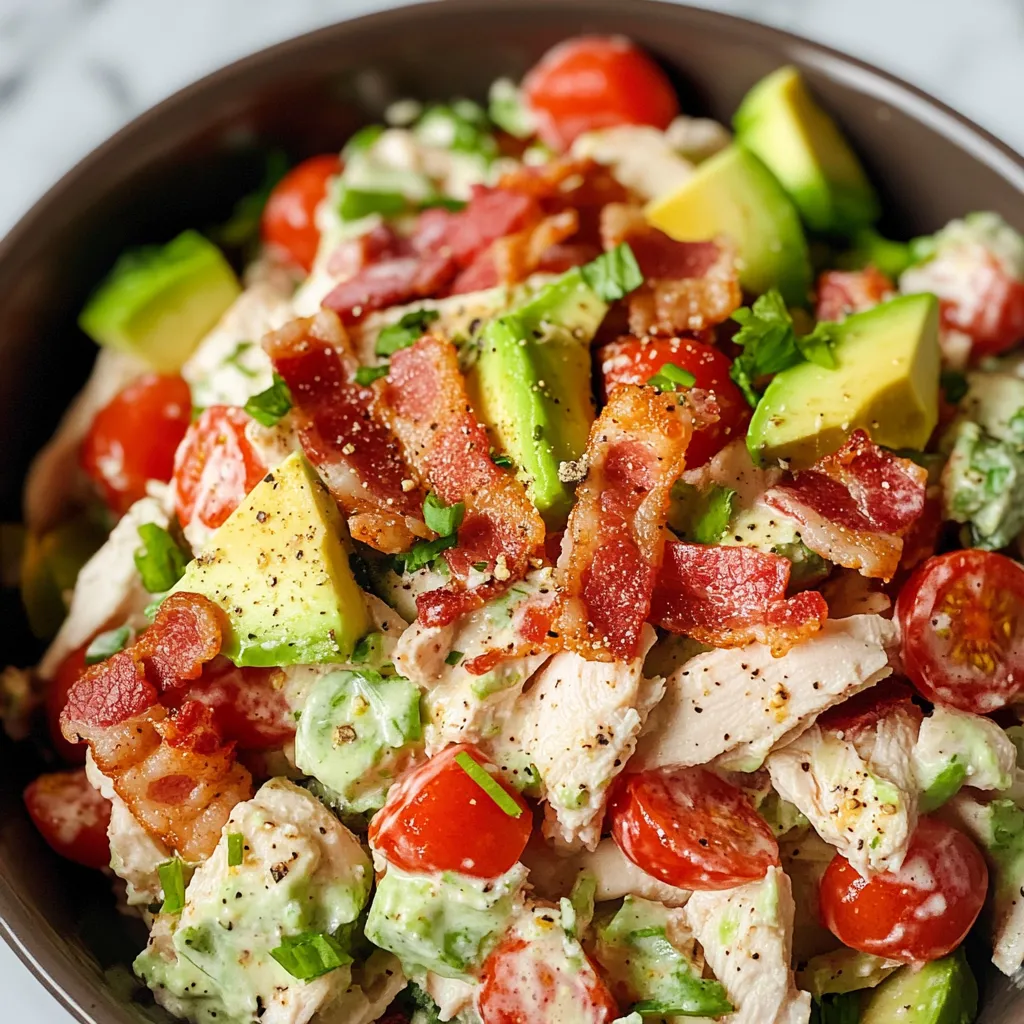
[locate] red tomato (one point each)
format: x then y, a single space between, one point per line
690 828
71 816
921 912
438 819
963 634
632 361
215 467
132 439
981 299
594 82
57 696
289 218
534 982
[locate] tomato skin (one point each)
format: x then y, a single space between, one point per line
132 439
593 82
865 914
289 218
215 467
71 816
974 597
57 696
690 828
438 819
632 361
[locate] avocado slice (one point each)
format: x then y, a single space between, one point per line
532 386
279 568
735 194
886 381
159 301
941 992
801 145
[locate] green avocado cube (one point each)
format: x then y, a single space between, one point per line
940 992
159 301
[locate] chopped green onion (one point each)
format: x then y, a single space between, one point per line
454 657
160 562
482 777
423 553
172 881
269 406
480 566
645 933
502 460
443 519
357 203
406 332
444 203
106 645
235 842
671 378
310 955
368 374
614 274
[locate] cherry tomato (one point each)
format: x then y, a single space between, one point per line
690 828
594 82
71 816
132 439
289 218
438 819
632 361
963 631
534 982
980 298
57 696
215 467
921 912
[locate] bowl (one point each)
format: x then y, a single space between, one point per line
186 161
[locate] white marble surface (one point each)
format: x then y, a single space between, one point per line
73 71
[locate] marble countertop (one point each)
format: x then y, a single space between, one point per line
74 71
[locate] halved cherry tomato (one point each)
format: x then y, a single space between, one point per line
921 912
215 467
438 819
977 295
71 816
57 696
690 828
530 983
632 361
133 438
289 218
594 82
963 630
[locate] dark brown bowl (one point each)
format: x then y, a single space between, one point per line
185 162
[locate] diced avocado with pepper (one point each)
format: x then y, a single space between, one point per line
885 381
532 384
159 301
279 568
801 145
735 194
941 992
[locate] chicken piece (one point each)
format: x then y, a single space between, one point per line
452 995
577 725
641 158
737 705
747 934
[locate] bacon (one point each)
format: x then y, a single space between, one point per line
864 710
184 636
733 596
855 505
424 401
353 451
616 531
842 292
689 286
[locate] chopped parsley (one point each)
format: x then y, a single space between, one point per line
406 332
443 519
269 406
160 562
368 374
423 553
614 274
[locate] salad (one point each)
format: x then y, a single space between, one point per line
573 574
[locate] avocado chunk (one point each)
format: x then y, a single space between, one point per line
159 301
357 732
532 385
941 992
801 145
279 568
885 381
734 194
844 970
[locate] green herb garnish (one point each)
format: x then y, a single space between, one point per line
443 519
356 203
672 378
482 777
235 844
423 553
160 562
366 375
310 955
106 645
269 406
454 657
172 881
406 332
614 274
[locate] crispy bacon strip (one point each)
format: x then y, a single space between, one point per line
424 401
855 505
616 531
689 286
353 451
174 772
733 596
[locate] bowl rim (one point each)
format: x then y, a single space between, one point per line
859 75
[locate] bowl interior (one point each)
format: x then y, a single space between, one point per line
185 163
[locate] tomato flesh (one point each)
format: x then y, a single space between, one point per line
632 361
215 467
133 438
438 819
289 218
57 696
690 828
594 82
921 912
963 631
71 816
